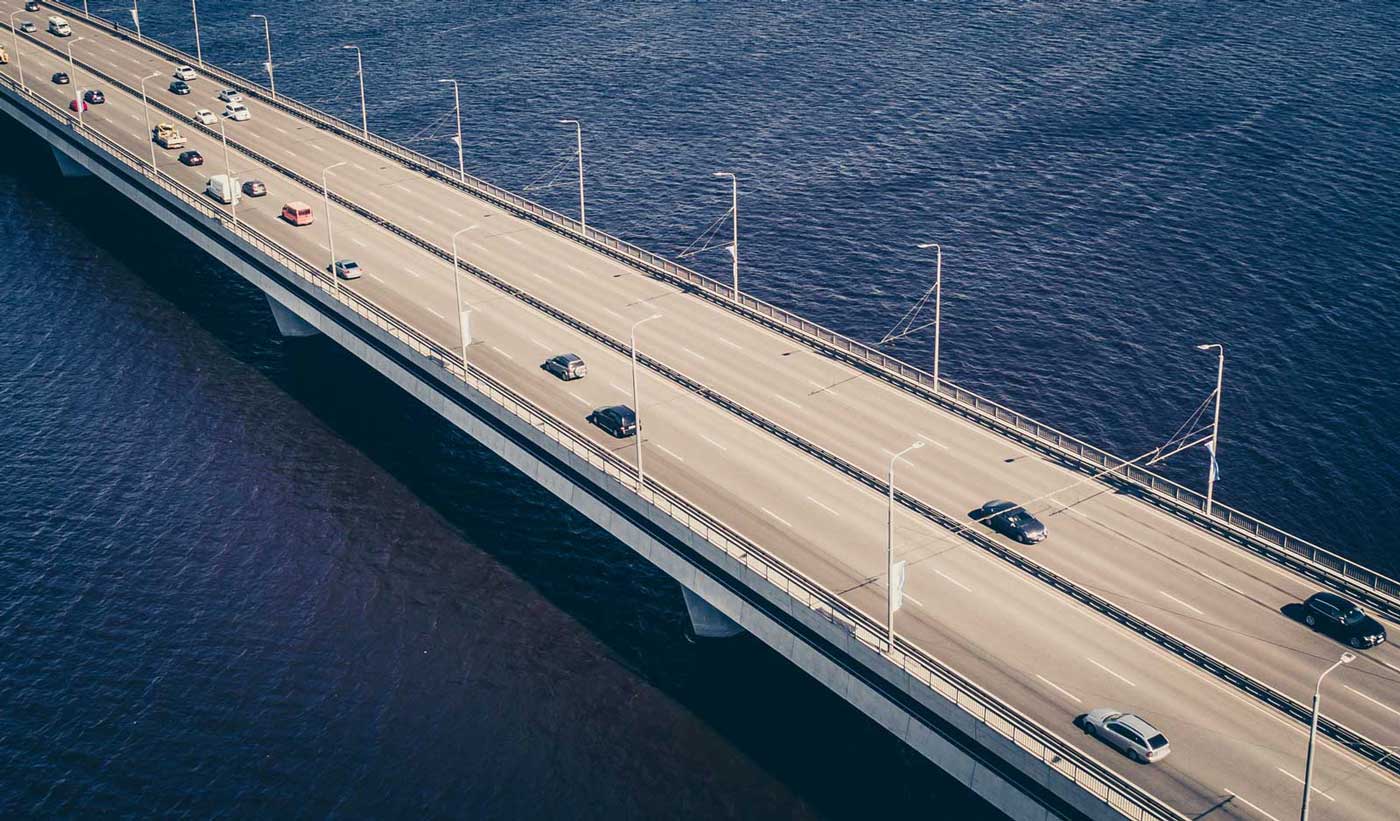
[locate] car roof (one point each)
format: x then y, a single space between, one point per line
1334 600
1136 723
617 409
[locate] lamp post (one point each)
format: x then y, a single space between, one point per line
19 59
146 110
457 99
330 235
198 52
136 17
228 173
364 115
463 314
734 212
889 547
72 78
578 135
267 38
1347 658
636 403
937 307
1215 426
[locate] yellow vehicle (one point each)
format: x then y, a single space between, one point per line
4 56
166 136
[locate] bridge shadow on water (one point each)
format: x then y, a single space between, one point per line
834 760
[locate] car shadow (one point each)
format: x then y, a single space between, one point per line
1294 611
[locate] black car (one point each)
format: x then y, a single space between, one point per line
31 6
61 77
179 86
191 157
618 420
94 97
1011 520
255 188
566 366
1343 620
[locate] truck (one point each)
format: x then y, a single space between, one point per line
4 56
166 136
221 188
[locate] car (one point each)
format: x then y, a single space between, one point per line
31 6
191 157
230 95
297 213
73 105
618 420
237 111
1343 620
566 366
185 73
345 268
255 188
28 27
205 116
94 96
1130 734
61 77
4 56
1011 520
179 87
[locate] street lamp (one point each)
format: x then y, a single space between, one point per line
636 403
734 211
364 115
267 37
73 78
457 98
146 110
937 307
889 547
578 134
228 173
198 52
330 235
1215 426
1347 658
463 314
14 29
136 18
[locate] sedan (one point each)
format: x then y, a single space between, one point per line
205 116
28 27
1343 620
31 6
1011 520
1130 734
94 96
237 111
566 366
255 188
185 73
618 420
61 77
230 95
73 105
191 157
179 87
346 269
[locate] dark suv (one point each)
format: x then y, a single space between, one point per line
1011 520
1343 620
618 420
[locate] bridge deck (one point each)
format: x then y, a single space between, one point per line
1046 654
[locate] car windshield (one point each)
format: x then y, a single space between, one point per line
1157 741
1017 516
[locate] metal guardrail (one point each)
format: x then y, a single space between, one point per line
1124 796
1296 553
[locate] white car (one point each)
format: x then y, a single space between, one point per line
206 116
185 73
1133 736
237 111
230 95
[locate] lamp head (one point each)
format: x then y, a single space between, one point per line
1348 658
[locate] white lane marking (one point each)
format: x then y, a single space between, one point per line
501 352
827 508
436 314
951 579
543 277
619 387
1299 780
774 515
359 242
614 313
736 346
785 399
579 398
692 353
1111 673
931 440
511 239
914 600
1067 693
540 345
1195 610
674 455
1249 804
575 268
1223 583
374 277
353 165
455 212
413 272
315 146
1380 704
713 442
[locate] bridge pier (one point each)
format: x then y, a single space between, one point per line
288 323
705 621
67 166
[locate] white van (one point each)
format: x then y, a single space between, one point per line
59 26
222 189
237 111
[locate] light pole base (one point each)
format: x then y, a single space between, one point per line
288 323
69 167
705 621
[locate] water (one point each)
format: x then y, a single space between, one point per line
242 575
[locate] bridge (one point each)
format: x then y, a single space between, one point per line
761 478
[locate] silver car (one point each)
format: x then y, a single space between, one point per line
1133 736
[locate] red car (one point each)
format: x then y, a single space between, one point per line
73 105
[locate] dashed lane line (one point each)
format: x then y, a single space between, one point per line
1065 692
1123 679
775 516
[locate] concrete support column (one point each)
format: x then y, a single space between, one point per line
67 166
288 323
705 621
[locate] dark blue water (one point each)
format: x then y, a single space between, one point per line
245 576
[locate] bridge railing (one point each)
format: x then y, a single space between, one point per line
1190 505
1044 745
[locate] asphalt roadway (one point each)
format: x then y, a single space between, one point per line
1045 654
